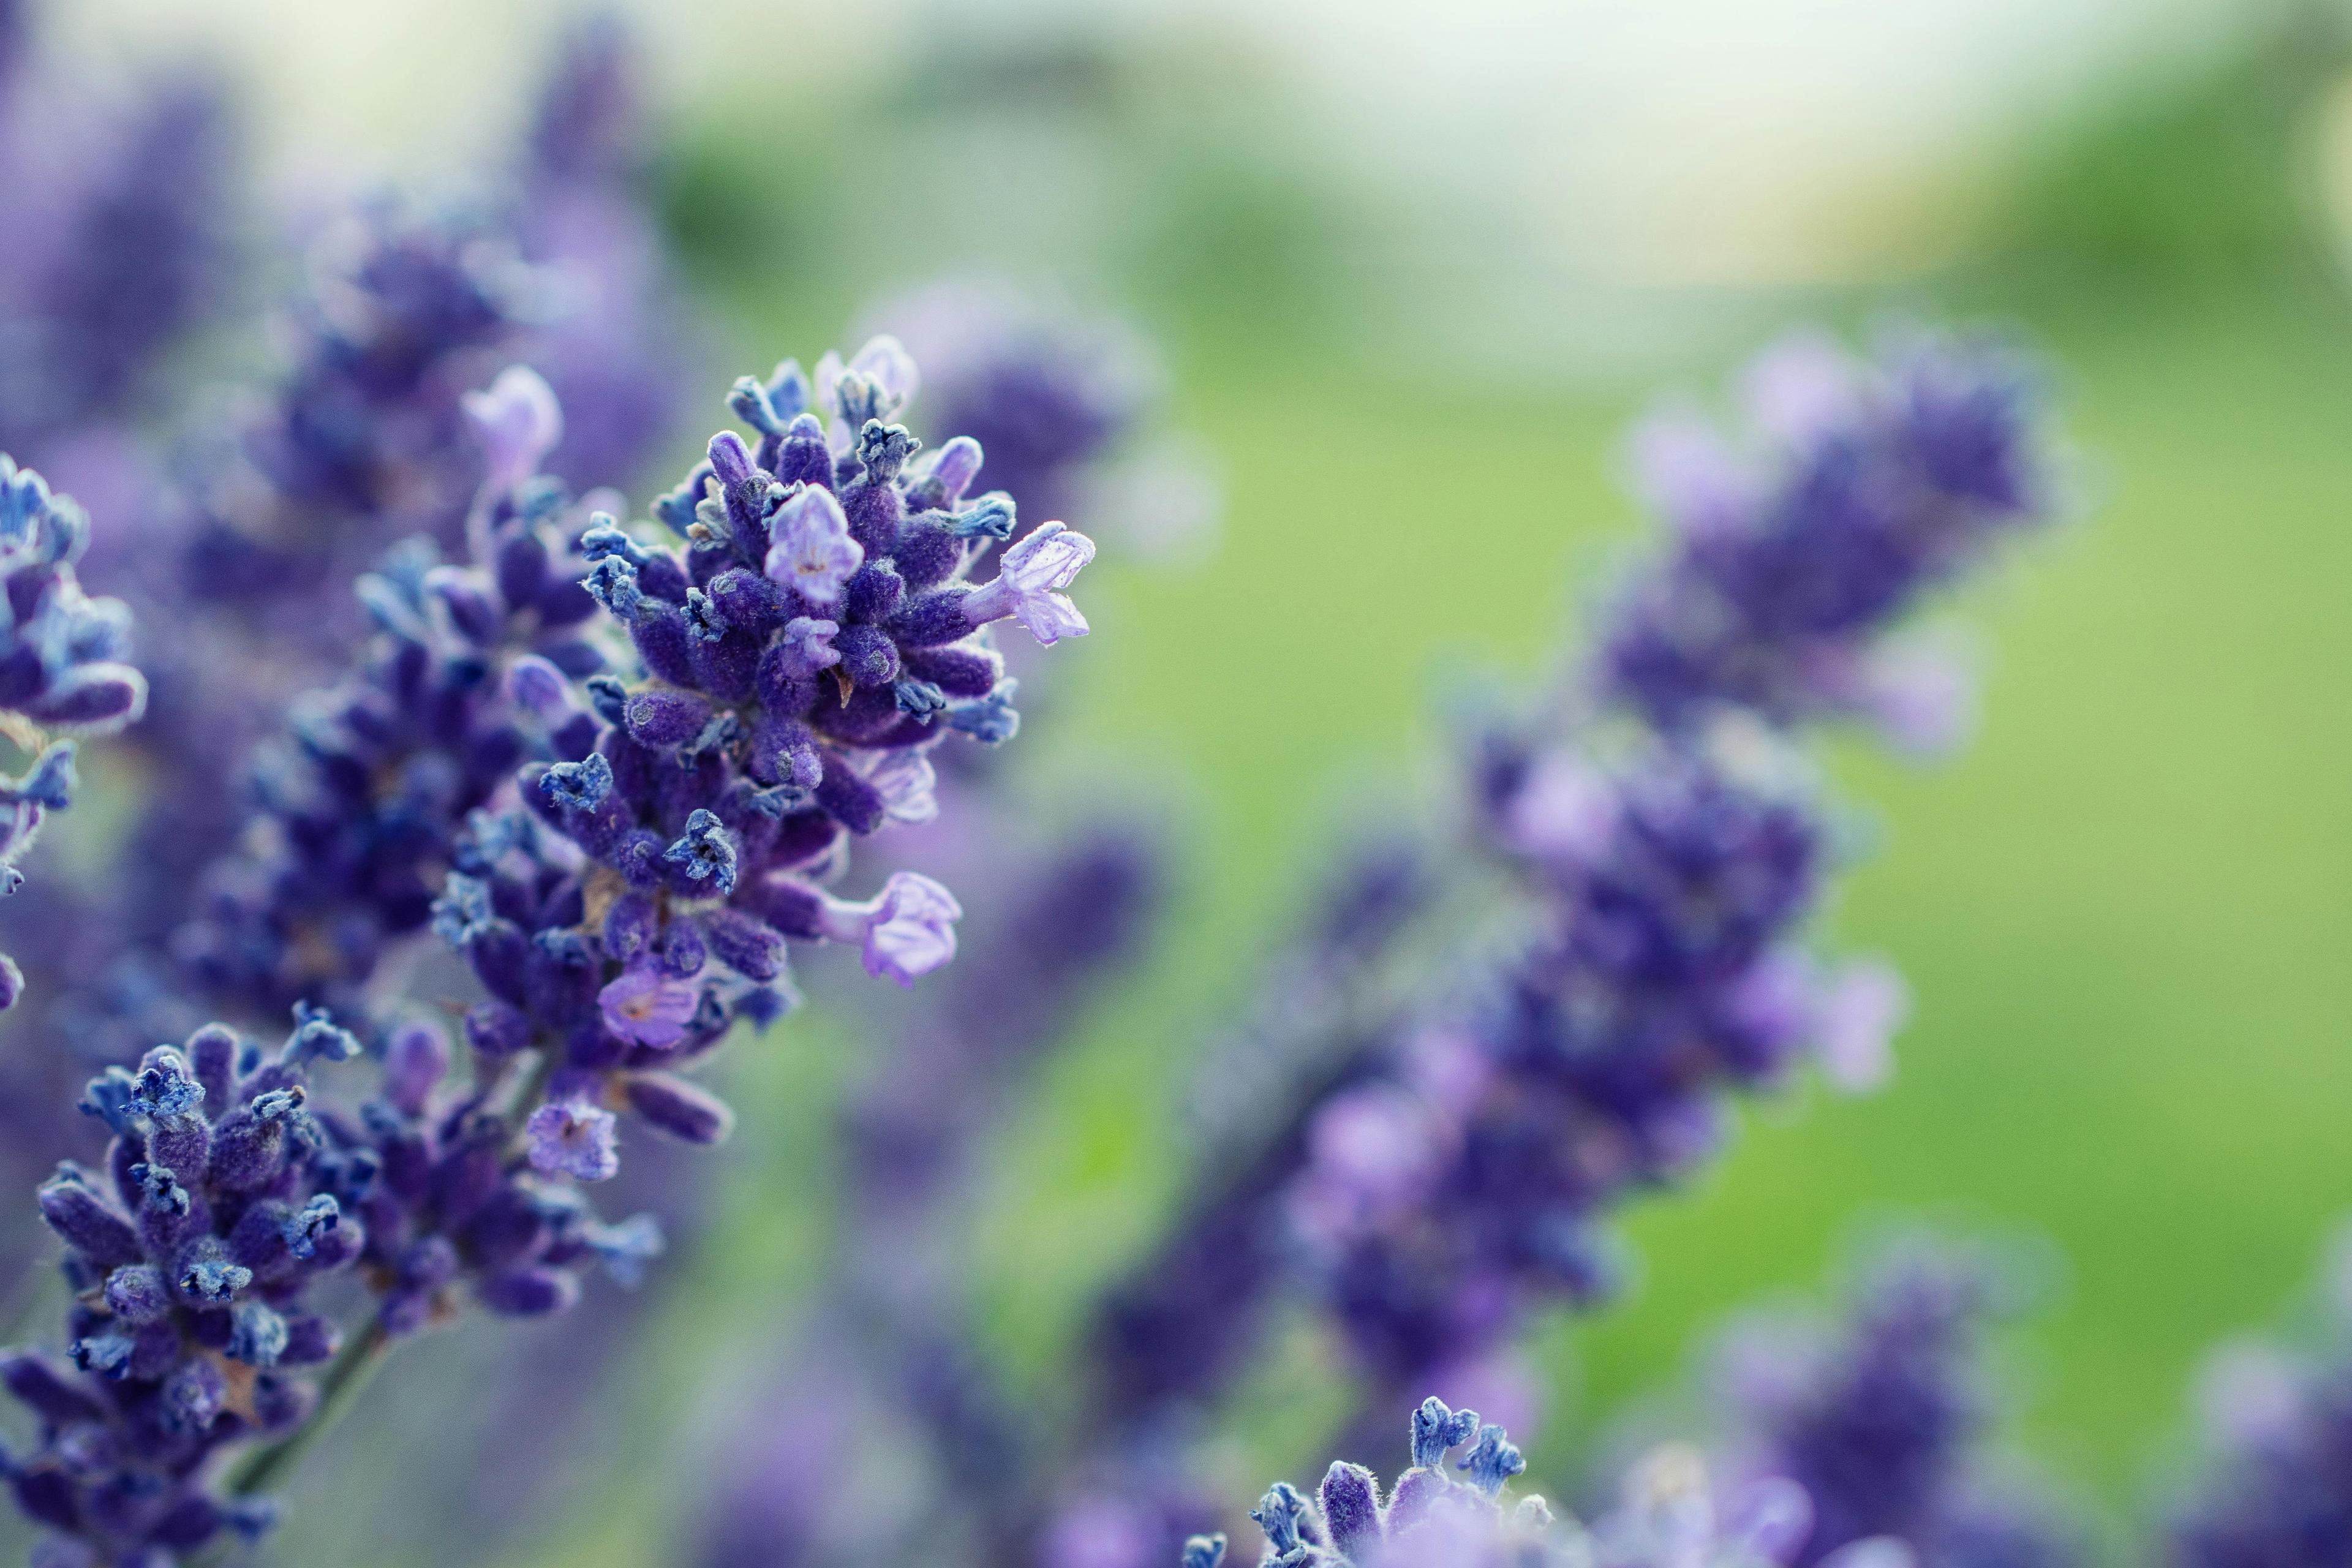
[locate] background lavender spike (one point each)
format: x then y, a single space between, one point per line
1885 1418
1662 968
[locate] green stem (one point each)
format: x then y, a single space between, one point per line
532 1090
261 1470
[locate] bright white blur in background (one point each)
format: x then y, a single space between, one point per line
1576 156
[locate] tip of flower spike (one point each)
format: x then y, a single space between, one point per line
583 784
705 852
1437 1428
164 1087
109 1096
1492 1462
1204 1552
49 782
318 1037
605 537
518 423
1279 1513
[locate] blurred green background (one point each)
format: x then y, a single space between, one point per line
2126 910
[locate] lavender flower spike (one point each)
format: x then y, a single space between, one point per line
190 1259
61 667
1028 584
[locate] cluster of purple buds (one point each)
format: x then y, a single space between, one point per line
1881 1420
1860 488
1671 1514
362 802
62 669
815 641
191 1254
469 1191
1429 1516
2274 1489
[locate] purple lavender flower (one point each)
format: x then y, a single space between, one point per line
764 729
906 931
1455 1169
1027 584
813 554
62 669
1427 1517
1671 1514
370 788
190 1256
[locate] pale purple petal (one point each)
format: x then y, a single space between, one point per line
1050 617
573 1139
1051 557
520 423
905 780
1564 810
1858 1016
808 645
647 1008
1921 693
1804 388
812 551
885 362
912 930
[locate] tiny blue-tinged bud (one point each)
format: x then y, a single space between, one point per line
919 699
582 786
463 911
308 1226
317 1038
1204 1552
256 1334
705 852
